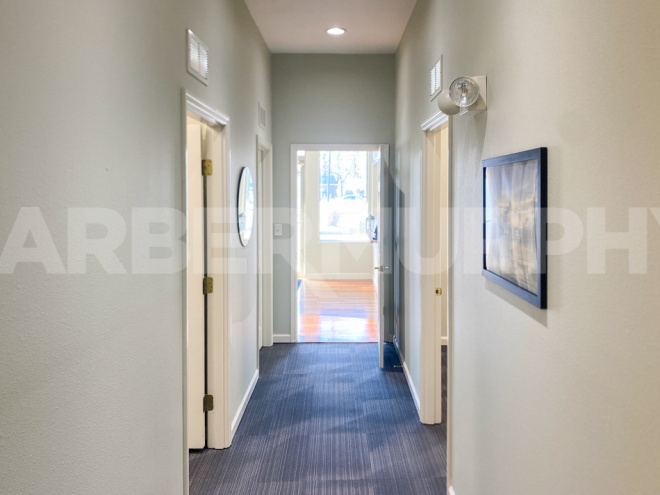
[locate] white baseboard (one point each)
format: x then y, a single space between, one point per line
413 390
451 491
340 276
283 338
411 386
244 403
444 341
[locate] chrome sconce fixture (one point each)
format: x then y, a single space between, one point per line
465 94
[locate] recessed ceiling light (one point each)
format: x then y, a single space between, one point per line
336 31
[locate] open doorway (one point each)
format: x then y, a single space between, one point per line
206 316
437 324
436 282
264 244
338 245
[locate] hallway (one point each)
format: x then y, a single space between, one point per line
337 311
324 419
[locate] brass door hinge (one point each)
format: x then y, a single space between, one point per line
208 403
207 168
208 285
438 292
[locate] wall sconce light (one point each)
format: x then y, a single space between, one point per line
465 94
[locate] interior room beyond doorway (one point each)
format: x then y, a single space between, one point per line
337 198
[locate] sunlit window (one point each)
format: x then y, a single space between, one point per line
343 196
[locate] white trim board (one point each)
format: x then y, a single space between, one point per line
411 385
201 109
434 122
264 153
282 338
339 276
451 491
337 147
241 408
293 225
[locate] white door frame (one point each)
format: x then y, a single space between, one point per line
293 218
265 241
434 214
219 422
301 235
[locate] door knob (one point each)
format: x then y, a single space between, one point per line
381 268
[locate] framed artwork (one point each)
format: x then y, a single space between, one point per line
514 223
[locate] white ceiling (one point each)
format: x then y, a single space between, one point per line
299 26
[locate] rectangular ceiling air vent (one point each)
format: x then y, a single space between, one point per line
262 116
436 79
198 58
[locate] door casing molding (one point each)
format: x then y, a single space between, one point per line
218 196
293 337
431 342
265 236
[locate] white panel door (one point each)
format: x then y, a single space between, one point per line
385 250
195 297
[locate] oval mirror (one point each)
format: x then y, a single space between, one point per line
245 206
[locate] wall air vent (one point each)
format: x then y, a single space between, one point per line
198 58
262 116
436 79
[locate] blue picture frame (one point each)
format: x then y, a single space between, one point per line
515 223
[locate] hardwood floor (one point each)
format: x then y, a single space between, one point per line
337 311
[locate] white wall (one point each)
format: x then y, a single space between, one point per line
330 260
322 99
91 365
564 400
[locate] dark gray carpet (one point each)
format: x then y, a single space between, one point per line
324 419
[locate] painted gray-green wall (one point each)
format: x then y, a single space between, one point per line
91 116
322 99
564 400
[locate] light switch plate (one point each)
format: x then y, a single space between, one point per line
278 230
